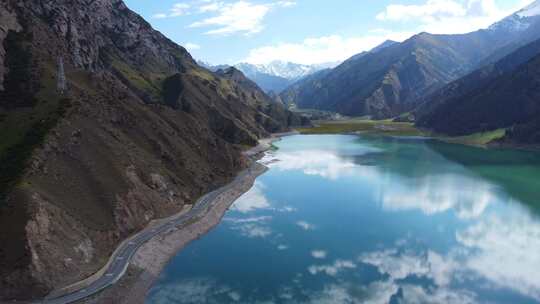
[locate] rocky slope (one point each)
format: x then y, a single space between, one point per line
273 113
501 95
302 88
275 76
391 81
387 82
140 132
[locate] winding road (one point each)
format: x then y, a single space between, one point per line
120 260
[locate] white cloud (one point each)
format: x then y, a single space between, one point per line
242 17
314 162
194 290
254 231
305 225
433 16
380 292
431 265
374 293
396 266
505 251
210 7
160 16
253 227
235 296
448 16
416 294
332 269
286 209
332 294
258 219
286 3
467 197
500 250
322 49
253 200
192 46
318 254
429 11
177 10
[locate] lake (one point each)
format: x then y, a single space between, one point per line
361 219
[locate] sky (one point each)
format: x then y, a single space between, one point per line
309 31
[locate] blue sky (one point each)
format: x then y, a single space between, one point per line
309 31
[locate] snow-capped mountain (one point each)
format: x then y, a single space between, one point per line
275 76
531 10
519 21
287 70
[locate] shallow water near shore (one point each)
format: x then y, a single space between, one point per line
359 219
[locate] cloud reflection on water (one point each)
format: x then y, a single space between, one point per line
252 200
252 227
430 193
255 199
196 291
467 197
314 162
501 251
505 251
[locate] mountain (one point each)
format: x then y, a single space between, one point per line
501 95
522 26
287 70
276 115
275 76
376 49
385 44
106 125
387 82
392 80
296 91
303 87
266 80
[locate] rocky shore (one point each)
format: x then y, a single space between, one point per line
154 255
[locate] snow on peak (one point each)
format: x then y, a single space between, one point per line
519 21
287 70
531 10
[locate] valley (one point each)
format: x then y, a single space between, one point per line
367 165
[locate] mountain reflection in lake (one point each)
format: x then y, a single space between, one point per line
349 219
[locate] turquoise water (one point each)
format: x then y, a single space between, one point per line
350 219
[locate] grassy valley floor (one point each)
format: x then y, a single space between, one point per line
359 125
392 128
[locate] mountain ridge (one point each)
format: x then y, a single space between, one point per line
138 132
389 82
500 95
275 76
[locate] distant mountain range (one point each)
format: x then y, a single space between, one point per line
395 78
106 124
275 76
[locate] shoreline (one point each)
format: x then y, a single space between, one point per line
496 144
151 258
358 126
